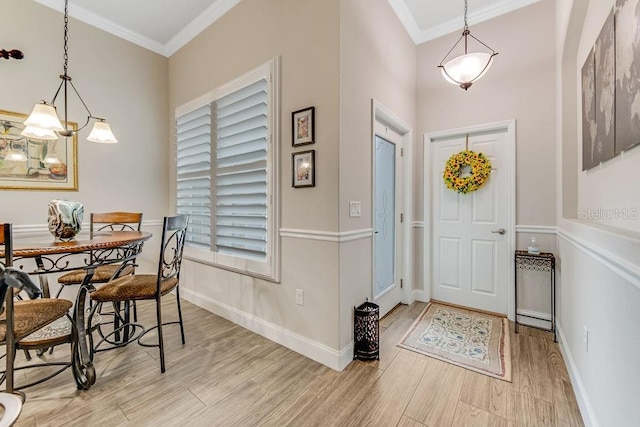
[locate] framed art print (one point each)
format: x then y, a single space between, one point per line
303 172
303 122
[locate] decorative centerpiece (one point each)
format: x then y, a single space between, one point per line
466 171
65 219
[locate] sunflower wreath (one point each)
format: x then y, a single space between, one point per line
479 164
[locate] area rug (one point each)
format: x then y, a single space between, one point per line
475 341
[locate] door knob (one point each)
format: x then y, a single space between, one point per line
500 231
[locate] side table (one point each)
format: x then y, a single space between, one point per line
544 261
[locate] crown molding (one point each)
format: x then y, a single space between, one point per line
421 36
214 12
88 17
406 17
195 27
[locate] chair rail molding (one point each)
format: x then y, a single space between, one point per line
536 229
327 236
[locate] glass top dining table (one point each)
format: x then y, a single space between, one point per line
42 256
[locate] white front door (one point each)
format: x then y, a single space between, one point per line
470 246
386 219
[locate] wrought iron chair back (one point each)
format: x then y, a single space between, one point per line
23 318
147 287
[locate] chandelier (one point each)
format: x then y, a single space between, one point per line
43 122
465 69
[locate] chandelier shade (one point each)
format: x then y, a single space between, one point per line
44 120
43 117
465 69
102 133
39 133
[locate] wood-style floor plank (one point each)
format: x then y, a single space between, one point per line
225 375
435 400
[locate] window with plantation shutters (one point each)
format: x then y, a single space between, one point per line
241 172
226 174
193 195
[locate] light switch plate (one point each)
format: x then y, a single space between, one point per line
355 209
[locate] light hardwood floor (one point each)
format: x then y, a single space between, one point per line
228 376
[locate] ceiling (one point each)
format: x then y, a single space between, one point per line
164 26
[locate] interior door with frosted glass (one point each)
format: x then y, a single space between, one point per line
386 220
470 231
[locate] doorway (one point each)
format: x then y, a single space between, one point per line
392 142
472 235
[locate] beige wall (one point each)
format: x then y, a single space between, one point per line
595 189
377 60
599 288
521 86
303 33
120 81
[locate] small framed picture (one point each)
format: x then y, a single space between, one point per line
303 122
303 172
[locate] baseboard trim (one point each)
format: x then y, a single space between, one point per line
334 359
543 320
586 410
419 295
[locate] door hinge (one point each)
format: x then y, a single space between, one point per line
401 217
401 151
401 283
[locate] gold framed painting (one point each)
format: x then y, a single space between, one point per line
36 164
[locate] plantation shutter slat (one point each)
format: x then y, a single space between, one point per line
193 163
241 172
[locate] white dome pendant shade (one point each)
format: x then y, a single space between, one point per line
464 70
467 68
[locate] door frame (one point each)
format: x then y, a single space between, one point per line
510 127
384 116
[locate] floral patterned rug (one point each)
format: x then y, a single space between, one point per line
472 340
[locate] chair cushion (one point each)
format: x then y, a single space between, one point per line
31 315
135 287
103 274
60 328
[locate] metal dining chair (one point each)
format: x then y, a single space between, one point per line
20 319
138 287
107 221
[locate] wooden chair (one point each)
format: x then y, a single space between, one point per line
150 286
108 221
20 319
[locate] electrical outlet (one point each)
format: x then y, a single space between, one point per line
299 297
355 209
585 338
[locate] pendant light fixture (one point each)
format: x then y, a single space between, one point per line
44 120
465 69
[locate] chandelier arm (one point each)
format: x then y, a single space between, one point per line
81 100
451 50
483 44
53 101
449 75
